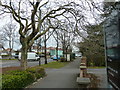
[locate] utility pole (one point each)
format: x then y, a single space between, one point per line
40 37
45 50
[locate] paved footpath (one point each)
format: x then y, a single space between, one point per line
60 78
102 76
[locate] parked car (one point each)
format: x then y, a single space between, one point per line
15 56
78 55
31 56
54 57
41 55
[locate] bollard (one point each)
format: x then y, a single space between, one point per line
82 80
83 71
83 63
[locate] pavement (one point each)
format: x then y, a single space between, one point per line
66 77
60 78
102 76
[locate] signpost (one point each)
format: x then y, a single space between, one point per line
112 44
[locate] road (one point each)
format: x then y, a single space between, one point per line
12 63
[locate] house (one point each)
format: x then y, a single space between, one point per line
35 48
6 51
40 49
53 51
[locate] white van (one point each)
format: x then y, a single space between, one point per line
30 56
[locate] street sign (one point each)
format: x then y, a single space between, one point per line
112 44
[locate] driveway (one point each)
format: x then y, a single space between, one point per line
60 78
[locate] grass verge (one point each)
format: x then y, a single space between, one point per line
96 67
55 64
8 59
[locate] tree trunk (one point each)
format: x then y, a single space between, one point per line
30 49
24 56
63 46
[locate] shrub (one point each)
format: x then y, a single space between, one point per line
62 59
20 79
16 79
38 72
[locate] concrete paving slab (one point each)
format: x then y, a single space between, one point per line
102 76
83 80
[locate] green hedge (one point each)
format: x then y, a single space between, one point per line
20 79
37 72
62 59
5 55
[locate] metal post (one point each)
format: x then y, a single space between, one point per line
40 37
105 47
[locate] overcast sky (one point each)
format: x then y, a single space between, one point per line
51 41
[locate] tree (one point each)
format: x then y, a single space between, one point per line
1 42
8 34
46 37
65 36
57 40
93 45
30 23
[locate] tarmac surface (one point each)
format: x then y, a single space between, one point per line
60 78
66 77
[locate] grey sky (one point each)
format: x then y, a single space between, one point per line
51 41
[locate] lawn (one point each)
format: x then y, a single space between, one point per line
55 64
96 67
8 59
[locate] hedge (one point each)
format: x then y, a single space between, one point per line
19 79
37 72
62 59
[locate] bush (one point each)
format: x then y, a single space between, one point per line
62 59
37 72
20 79
96 60
16 79
5 55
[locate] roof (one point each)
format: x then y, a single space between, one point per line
7 50
48 48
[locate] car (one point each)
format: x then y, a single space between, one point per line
54 57
15 56
78 55
42 55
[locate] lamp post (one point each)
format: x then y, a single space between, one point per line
40 37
